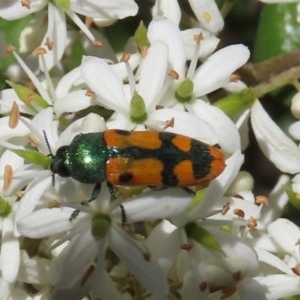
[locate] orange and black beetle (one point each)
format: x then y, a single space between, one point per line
134 158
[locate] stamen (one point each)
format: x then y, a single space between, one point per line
130 75
14 116
239 212
26 3
41 90
33 140
191 72
8 177
49 82
173 74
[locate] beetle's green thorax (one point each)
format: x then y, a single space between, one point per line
84 159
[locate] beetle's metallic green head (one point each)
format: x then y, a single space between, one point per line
84 159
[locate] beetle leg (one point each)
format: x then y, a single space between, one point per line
111 190
96 192
94 195
190 191
74 215
123 215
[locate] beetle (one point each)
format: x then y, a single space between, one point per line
138 158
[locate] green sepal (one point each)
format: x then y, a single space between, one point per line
236 103
202 236
63 4
293 197
30 98
138 112
5 208
100 226
185 91
140 36
34 157
278 31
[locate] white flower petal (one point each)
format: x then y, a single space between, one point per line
168 9
7 291
273 260
132 257
164 30
294 130
281 150
228 135
46 222
7 132
72 263
184 123
73 102
153 72
280 286
8 97
235 251
216 70
10 251
15 9
93 123
208 44
278 200
120 68
157 204
56 33
100 77
208 14
249 289
43 122
107 289
119 121
286 234
34 270
105 9
32 195
73 78
164 243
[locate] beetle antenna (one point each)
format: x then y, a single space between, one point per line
47 143
50 154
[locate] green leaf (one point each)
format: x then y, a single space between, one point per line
30 98
278 31
34 157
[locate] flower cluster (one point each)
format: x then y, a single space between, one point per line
139 242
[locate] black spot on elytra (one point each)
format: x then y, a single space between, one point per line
125 177
169 155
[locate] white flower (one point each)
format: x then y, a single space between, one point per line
206 12
135 106
55 37
190 88
68 96
94 229
201 269
275 144
282 279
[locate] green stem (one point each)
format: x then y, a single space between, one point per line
282 79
